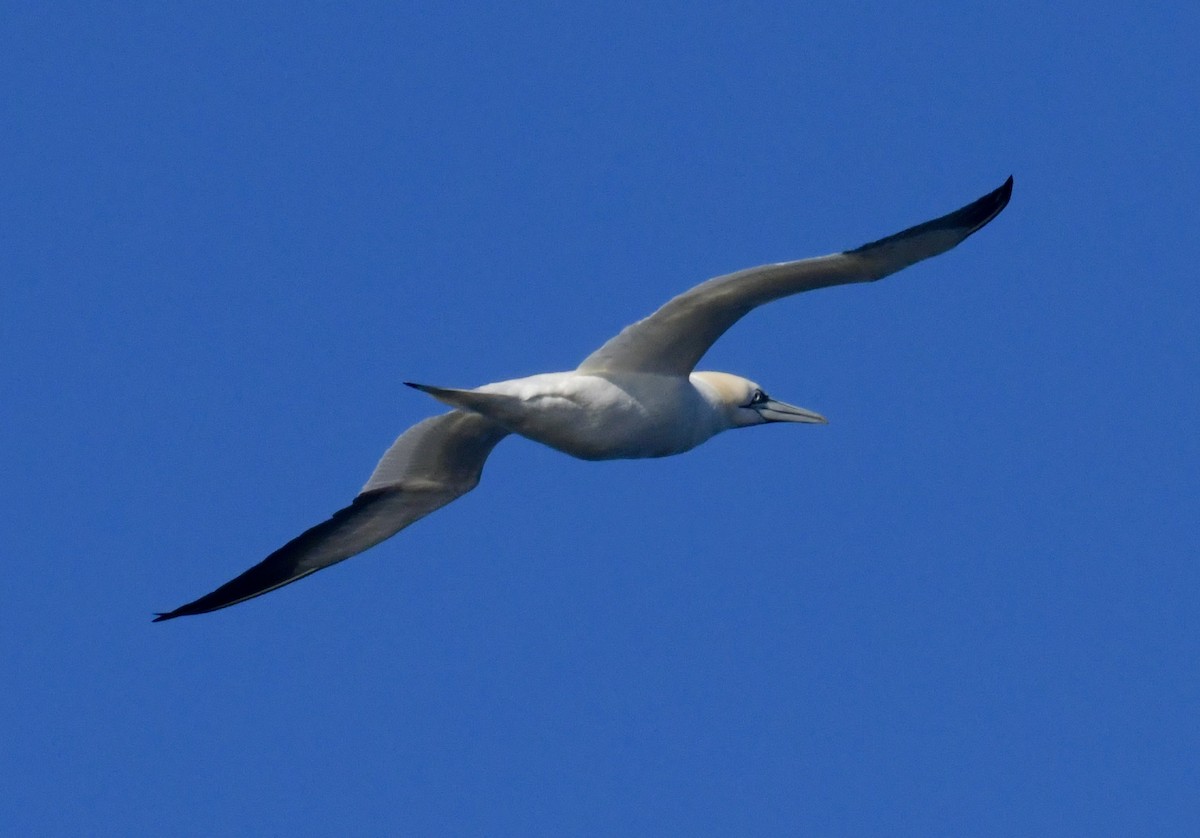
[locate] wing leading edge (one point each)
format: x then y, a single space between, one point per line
429 465
672 340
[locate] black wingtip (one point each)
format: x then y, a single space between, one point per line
1000 197
980 212
424 388
966 220
287 564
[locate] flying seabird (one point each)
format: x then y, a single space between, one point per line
636 396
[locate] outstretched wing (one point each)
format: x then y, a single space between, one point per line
673 339
429 465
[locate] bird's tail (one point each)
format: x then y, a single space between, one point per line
503 409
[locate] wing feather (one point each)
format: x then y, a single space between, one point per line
429 465
672 340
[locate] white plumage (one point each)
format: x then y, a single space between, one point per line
636 396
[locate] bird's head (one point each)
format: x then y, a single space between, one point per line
744 403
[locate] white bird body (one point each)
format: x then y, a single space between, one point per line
636 396
608 416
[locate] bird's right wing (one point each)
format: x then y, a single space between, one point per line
429 465
673 339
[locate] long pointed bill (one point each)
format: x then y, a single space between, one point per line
774 411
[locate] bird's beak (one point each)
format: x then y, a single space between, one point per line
774 411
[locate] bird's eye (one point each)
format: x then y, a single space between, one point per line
758 398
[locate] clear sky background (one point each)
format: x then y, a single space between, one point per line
968 606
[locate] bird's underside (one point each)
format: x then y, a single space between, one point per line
441 458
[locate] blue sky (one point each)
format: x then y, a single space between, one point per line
967 606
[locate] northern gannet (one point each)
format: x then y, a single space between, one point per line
635 396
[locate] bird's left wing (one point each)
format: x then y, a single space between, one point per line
673 339
429 465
